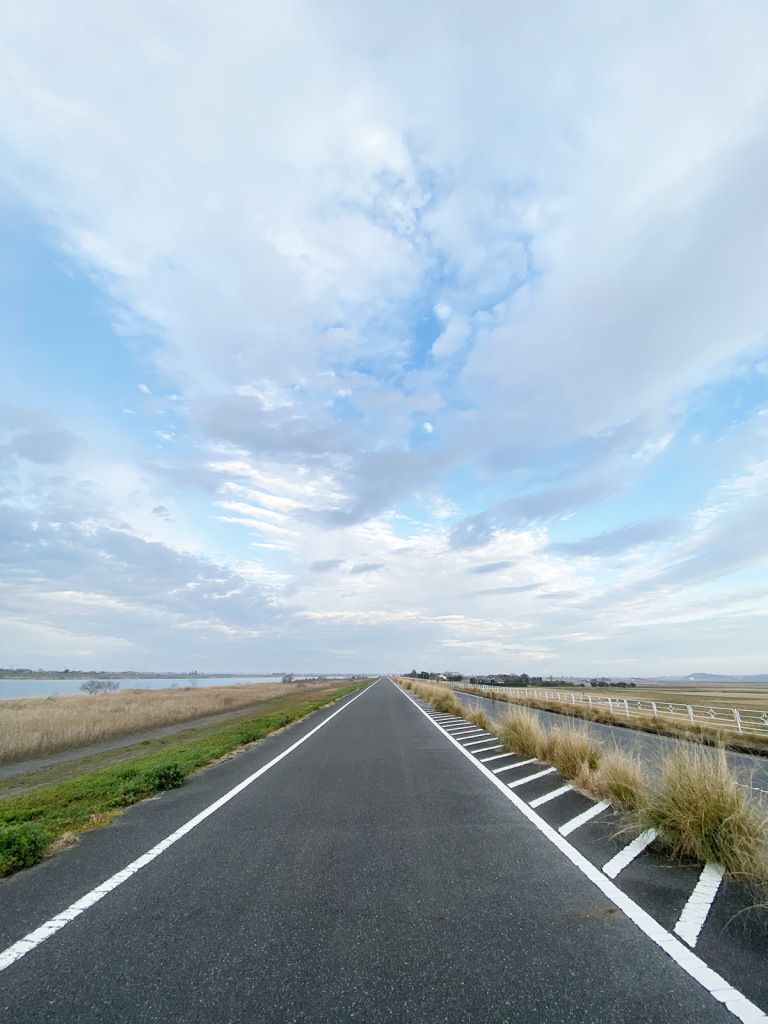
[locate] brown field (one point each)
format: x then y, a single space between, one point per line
36 726
723 695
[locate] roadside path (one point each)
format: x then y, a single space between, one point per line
370 874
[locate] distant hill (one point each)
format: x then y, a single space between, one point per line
708 677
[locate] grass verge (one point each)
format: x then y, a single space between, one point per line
746 742
695 801
31 823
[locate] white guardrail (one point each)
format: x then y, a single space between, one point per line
740 719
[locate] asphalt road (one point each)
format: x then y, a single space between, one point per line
372 875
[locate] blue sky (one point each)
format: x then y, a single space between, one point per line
335 338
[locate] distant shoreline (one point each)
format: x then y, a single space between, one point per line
28 674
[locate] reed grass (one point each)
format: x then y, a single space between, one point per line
33 727
701 811
521 733
620 780
698 805
574 753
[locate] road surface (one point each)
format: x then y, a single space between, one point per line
372 874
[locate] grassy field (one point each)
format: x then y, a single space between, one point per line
723 695
50 808
36 726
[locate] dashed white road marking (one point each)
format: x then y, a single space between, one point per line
530 778
34 938
482 750
583 818
736 1002
628 854
550 796
699 903
509 767
497 757
473 743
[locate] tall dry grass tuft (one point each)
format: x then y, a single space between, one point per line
574 753
521 733
620 780
479 717
35 726
701 811
440 697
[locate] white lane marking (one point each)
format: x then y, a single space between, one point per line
509 767
497 757
34 938
464 730
482 750
482 739
583 818
736 1002
530 778
699 902
550 796
628 854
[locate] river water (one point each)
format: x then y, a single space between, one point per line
48 687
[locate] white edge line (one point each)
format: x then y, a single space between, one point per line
508 767
530 778
694 966
44 931
550 796
583 818
628 854
699 902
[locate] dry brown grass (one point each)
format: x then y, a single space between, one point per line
661 724
701 811
36 726
521 733
479 717
696 803
574 753
440 697
620 780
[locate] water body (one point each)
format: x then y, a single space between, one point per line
10 688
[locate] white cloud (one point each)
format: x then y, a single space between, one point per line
543 234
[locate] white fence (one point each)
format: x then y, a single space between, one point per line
739 719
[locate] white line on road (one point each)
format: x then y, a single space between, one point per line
530 778
34 938
628 854
550 796
497 757
482 739
509 767
583 818
736 1002
482 750
699 902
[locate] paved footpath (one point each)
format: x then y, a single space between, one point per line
371 875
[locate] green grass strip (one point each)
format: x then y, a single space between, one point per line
31 822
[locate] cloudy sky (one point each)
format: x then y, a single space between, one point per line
350 336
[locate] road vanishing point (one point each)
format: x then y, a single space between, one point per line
375 863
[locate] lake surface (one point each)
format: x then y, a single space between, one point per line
47 687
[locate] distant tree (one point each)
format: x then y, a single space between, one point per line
288 677
93 686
